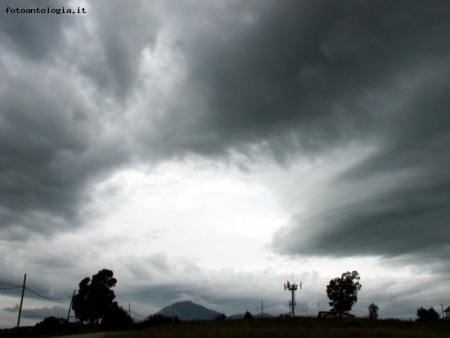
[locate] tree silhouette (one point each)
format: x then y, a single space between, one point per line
425 315
117 317
51 325
248 315
343 291
94 298
220 316
373 311
158 319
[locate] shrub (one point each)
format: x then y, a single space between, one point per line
220 317
425 315
248 315
51 325
158 319
117 318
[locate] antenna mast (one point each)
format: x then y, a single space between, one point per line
292 287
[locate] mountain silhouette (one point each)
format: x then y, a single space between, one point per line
189 311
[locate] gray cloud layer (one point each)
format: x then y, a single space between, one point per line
297 77
291 79
40 313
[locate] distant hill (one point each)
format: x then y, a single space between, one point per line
189 311
265 315
241 315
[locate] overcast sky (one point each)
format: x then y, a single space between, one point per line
208 150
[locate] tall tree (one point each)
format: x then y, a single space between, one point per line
95 297
343 291
373 311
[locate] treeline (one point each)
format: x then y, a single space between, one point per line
96 310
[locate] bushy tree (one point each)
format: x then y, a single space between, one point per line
220 316
51 325
117 317
373 311
248 315
343 291
95 297
425 315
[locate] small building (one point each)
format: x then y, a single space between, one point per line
447 313
334 314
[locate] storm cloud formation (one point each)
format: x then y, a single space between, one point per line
299 79
288 80
57 132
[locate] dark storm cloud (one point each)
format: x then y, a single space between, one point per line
294 76
34 36
256 74
55 138
51 147
410 215
287 78
119 35
409 220
303 78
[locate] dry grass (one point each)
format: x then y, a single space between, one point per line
290 328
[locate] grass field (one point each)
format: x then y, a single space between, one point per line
290 328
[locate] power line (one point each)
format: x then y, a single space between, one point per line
11 285
137 314
56 300
10 288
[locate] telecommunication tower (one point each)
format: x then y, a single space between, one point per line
292 287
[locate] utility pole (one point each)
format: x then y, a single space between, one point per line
292 287
129 310
442 308
71 302
21 300
262 307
